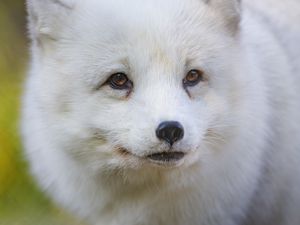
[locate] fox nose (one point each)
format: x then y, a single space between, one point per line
170 131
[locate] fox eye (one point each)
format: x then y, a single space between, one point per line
119 81
192 78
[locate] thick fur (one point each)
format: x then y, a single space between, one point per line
242 132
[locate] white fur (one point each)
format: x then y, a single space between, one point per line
242 135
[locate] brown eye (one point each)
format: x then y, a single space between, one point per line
193 78
119 81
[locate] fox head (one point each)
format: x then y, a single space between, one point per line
138 84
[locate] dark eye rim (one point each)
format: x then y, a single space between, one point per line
128 84
187 83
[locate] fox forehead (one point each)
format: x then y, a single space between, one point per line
142 19
157 31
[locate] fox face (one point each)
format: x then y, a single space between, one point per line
152 85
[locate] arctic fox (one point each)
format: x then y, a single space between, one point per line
166 112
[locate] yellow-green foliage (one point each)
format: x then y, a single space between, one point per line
8 133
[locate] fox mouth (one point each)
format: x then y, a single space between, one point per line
166 157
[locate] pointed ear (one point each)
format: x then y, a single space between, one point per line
230 11
46 17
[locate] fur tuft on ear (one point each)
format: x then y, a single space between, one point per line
46 16
230 10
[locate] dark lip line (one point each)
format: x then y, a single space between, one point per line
125 152
171 156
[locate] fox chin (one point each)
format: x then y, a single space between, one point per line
166 112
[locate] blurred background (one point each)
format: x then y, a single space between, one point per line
21 202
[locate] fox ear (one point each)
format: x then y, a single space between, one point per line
46 17
230 10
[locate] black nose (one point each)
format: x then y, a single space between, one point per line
170 131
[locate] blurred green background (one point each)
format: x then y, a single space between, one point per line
21 202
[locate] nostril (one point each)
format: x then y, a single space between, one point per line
170 131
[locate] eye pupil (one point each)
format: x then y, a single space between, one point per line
119 81
193 78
